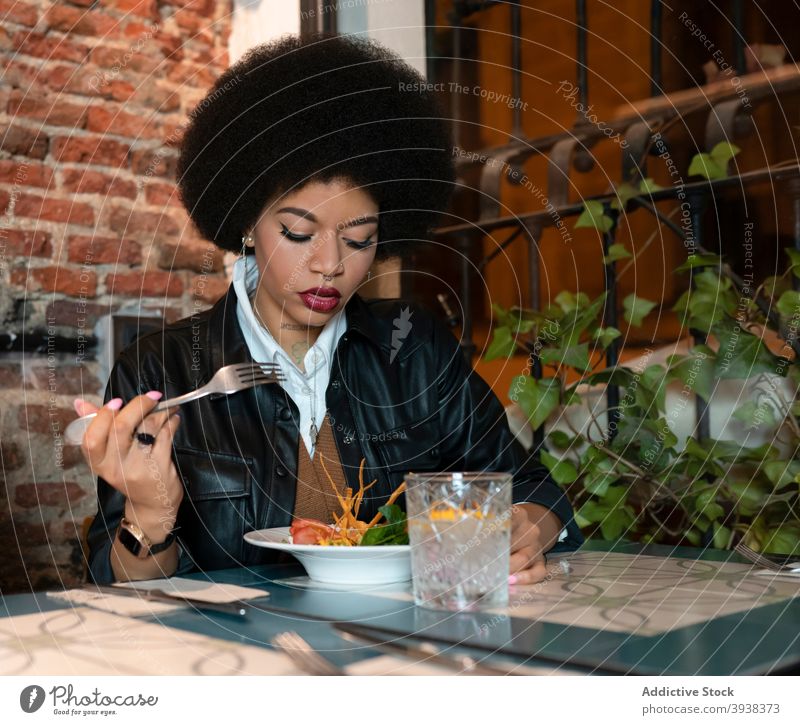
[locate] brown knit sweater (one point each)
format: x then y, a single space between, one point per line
315 497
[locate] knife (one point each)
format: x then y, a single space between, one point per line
239 608
425 652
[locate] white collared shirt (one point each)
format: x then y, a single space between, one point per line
307 389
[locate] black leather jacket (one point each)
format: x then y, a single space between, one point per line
422 410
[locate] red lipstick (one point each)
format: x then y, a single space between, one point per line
320 299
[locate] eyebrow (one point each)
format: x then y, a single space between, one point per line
358 221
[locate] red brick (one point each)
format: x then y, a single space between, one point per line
129 221
171 46
11 457
17 74
49 47
117 60
64 379
103 119
10 375
82 3
31 533
204 6
161 194
24 142
144 284
75 21
160 162
16 12
52 111
157 96
104 250
34 495
44 419
71 456
25 174
189 20
209 289
197 256
91 150
28 243
56 210
86 181
57 279
142 8
82 81
76 313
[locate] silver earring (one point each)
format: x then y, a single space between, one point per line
369 275
247 241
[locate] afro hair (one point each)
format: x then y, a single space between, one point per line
317 108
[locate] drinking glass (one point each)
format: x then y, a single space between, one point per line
459 527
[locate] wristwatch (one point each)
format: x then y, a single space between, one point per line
137 542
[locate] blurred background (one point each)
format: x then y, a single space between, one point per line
552 103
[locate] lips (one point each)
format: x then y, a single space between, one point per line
320 299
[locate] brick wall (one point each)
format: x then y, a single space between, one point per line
93 101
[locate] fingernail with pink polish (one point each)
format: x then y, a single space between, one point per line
114 404
78 405
512 579
154 395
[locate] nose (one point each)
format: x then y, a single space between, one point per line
327 258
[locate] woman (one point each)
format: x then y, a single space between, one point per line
312 158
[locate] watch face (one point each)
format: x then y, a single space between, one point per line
129 541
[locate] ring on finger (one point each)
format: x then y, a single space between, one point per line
145 440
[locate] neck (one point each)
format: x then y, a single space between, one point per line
293 337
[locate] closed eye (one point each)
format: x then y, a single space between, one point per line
294 237
359 245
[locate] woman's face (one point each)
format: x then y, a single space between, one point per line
313 248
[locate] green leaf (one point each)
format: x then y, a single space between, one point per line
616 252
693 261
636 309
784 540
789 303
600 475
594 217
794 260
741 354
723 152
648 186
392 533
722 535
537 398
562 470
625 192
705 165
576 356
754 414
781 473
606 335
560 439
503 344
695 370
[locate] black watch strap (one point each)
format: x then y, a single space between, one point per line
136 542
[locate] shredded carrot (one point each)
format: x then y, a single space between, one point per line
350 528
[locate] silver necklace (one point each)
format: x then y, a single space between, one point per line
313 431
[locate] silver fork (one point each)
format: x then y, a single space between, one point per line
302 654
763 561
227 380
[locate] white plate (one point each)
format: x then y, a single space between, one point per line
340 564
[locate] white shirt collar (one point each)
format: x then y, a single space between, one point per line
306 389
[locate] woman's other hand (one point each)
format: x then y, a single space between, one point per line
144 474
534 530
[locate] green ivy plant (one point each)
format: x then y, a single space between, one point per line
639 483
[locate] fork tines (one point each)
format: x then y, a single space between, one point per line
259 371
757 558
